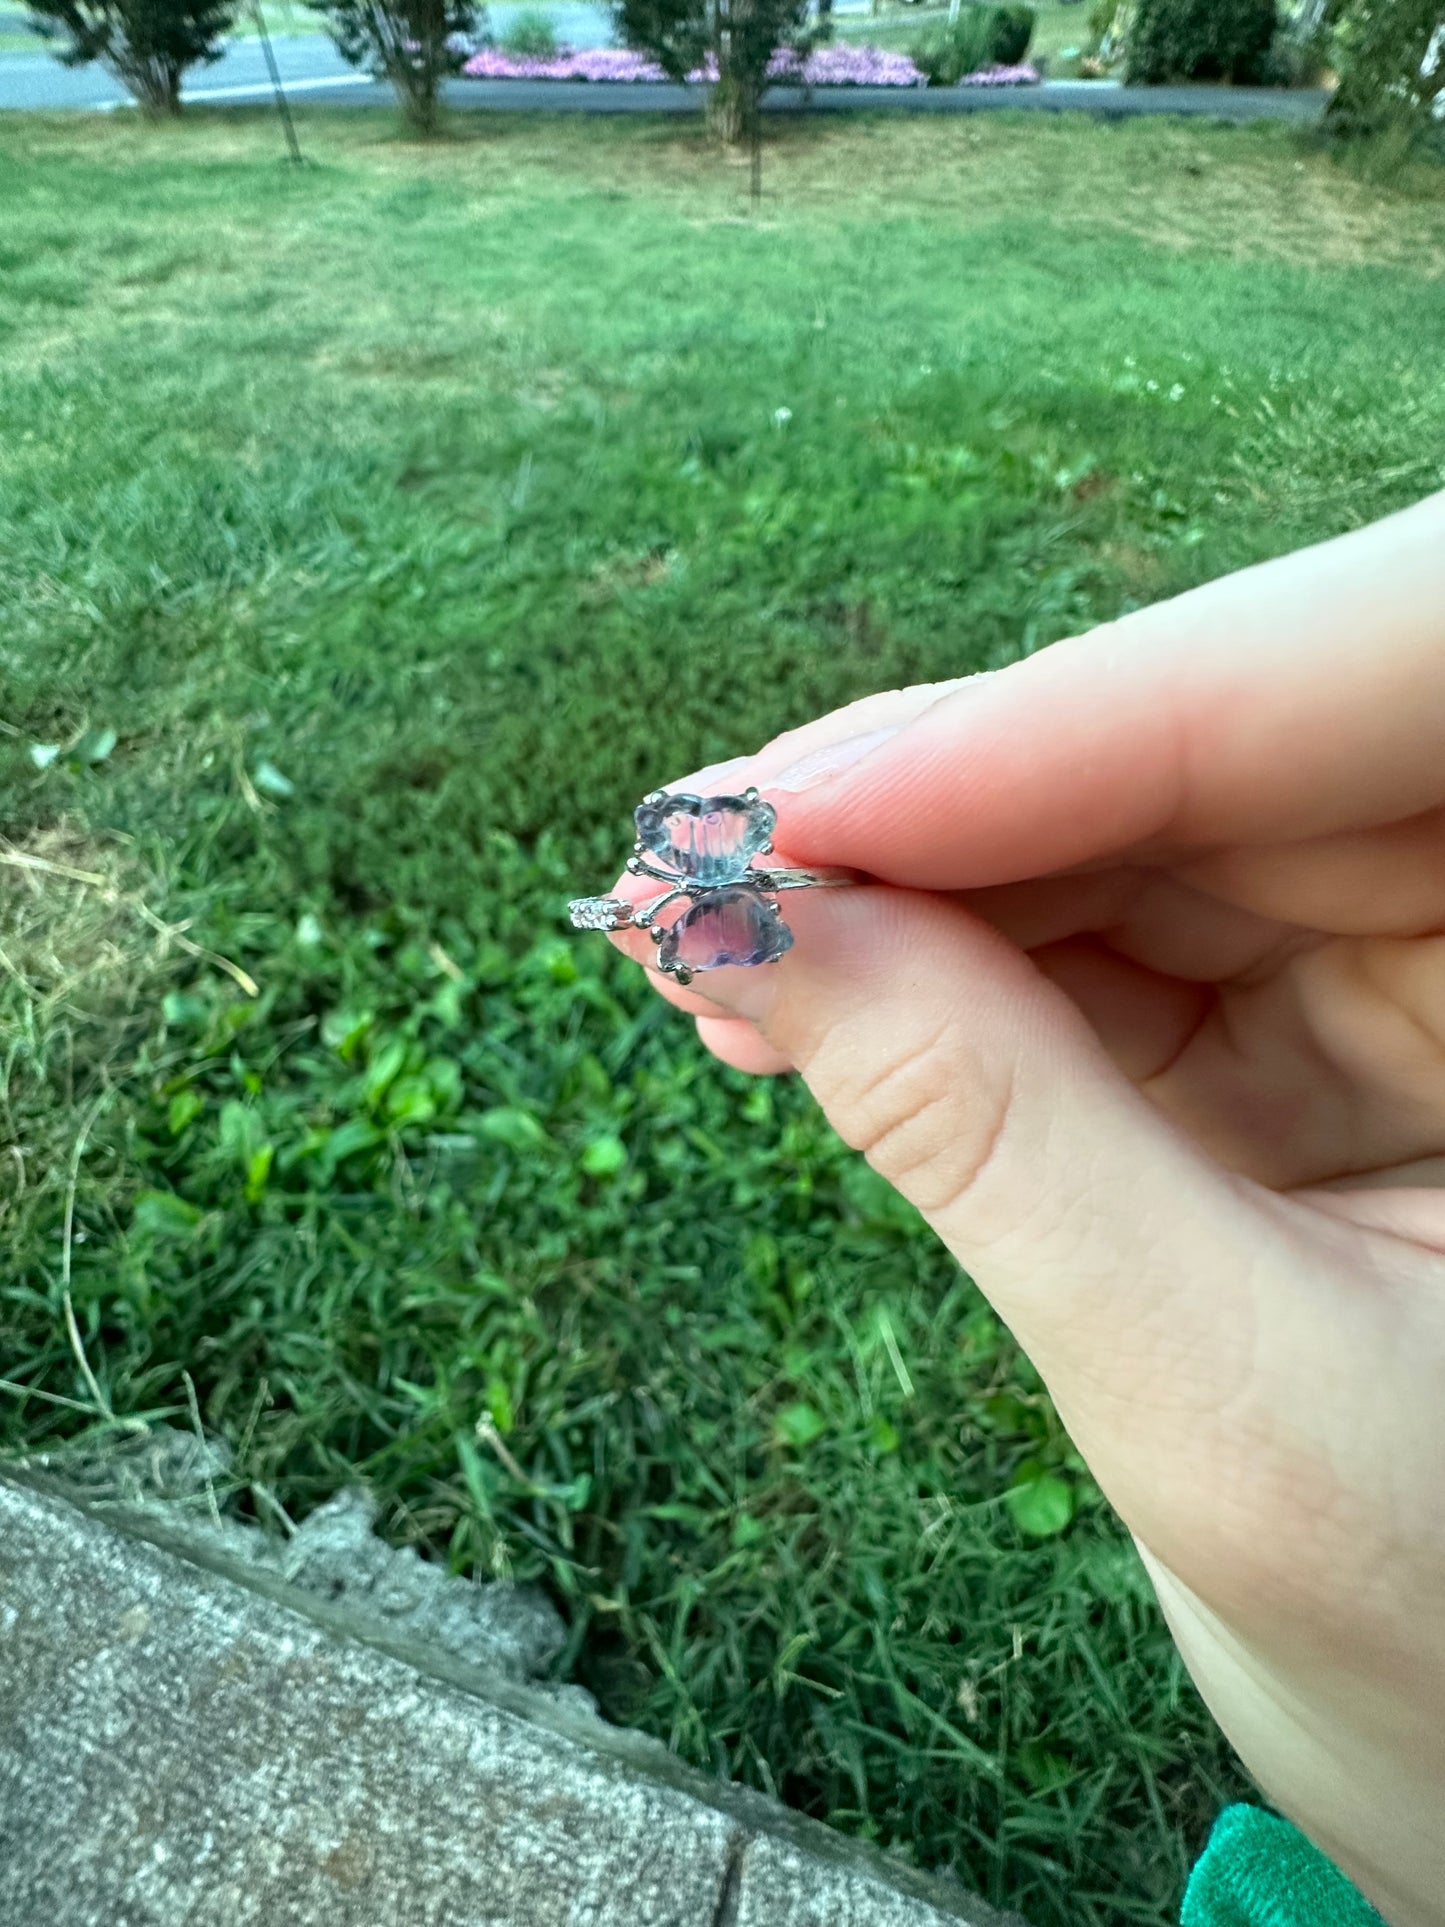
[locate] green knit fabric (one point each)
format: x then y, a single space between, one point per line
1259 1871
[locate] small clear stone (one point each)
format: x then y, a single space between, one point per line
599 913
729 926
711 839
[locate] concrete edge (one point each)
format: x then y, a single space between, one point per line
173 1533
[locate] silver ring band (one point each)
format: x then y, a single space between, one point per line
616 913
803 879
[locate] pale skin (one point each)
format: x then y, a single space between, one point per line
1147 1017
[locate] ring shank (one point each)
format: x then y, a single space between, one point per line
801 879
619 913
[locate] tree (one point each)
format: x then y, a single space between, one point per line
146 44
1169 40
415 44
731 41
1390 56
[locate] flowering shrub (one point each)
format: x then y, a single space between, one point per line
844 66
586 63
836 66
1021 76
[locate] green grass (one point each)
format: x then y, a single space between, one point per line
282 17
1057 30
370 539
1058 27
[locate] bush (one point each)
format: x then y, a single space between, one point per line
1101 22
945 52
531 36
1013 30
146 44
979 37
1298 60
1381 49
1199 40
414 44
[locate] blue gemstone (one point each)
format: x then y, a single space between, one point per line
711 839
729 926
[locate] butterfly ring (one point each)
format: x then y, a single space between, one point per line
701 848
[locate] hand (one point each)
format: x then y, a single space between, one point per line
1150 1024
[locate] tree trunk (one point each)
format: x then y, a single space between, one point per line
735 97
155 83
416 88
727 111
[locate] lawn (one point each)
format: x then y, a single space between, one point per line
371 537
1058 31
282 18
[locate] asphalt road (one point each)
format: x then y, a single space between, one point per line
313 71
1104 97
309 65
37 80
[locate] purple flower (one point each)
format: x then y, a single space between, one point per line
840 66
588 63
845 66
1024 76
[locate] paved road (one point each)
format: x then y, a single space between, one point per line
308 62
313 71
1104 97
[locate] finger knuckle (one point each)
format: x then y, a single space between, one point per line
919 1121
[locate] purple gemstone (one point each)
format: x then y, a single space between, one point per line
731 926
709 838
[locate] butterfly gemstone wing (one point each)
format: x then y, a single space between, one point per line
710 839
729 926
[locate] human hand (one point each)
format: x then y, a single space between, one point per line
1150 1024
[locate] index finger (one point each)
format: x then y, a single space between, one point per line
1294 699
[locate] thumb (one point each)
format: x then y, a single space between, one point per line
1151 1288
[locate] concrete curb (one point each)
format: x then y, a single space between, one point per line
190 1739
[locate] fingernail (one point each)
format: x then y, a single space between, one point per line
819 764
710 778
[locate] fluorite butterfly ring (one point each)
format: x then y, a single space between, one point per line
701 848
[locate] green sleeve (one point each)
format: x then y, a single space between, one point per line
1259 1871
